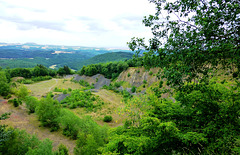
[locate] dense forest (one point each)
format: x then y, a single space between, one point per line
197 55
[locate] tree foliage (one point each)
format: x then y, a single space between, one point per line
31 103
204 119
48 111
64 71
4 85
192 37
22 92
110 70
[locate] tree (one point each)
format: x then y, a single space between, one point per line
40 70
67 69
22 72
45 147
22 92
193 37
31 103
5 134
64 71
4 85
48 112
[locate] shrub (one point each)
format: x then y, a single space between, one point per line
56 89
31 103
64 91
117 84
107 118
128 75
25 81
133 90
150 73
4 85
73 106
15 102
20 142
41 78
7 97
62 150
84 83
10 101
22 92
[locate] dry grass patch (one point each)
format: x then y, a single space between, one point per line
112 106
42 88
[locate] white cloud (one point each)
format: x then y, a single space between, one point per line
73 22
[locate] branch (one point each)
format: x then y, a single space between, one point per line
185 21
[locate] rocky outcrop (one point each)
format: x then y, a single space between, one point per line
137 76
98 80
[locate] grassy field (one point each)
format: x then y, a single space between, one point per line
112 106
42 88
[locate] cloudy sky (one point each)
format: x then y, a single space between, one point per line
99 23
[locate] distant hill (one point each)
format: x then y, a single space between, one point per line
108 57
27 55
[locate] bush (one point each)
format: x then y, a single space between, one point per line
15 102
56 89
107 118
20 142
128 75
144 81
65 91
31 103
62 150
41 78
7 97
4 85
84 83
79 98
22 92
150 73
133 90
117 84
25 81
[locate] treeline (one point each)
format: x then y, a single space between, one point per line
110 70
37 71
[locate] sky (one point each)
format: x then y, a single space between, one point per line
92 23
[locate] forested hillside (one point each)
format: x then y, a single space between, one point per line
107 57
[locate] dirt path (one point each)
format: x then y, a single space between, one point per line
20 119
53 85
